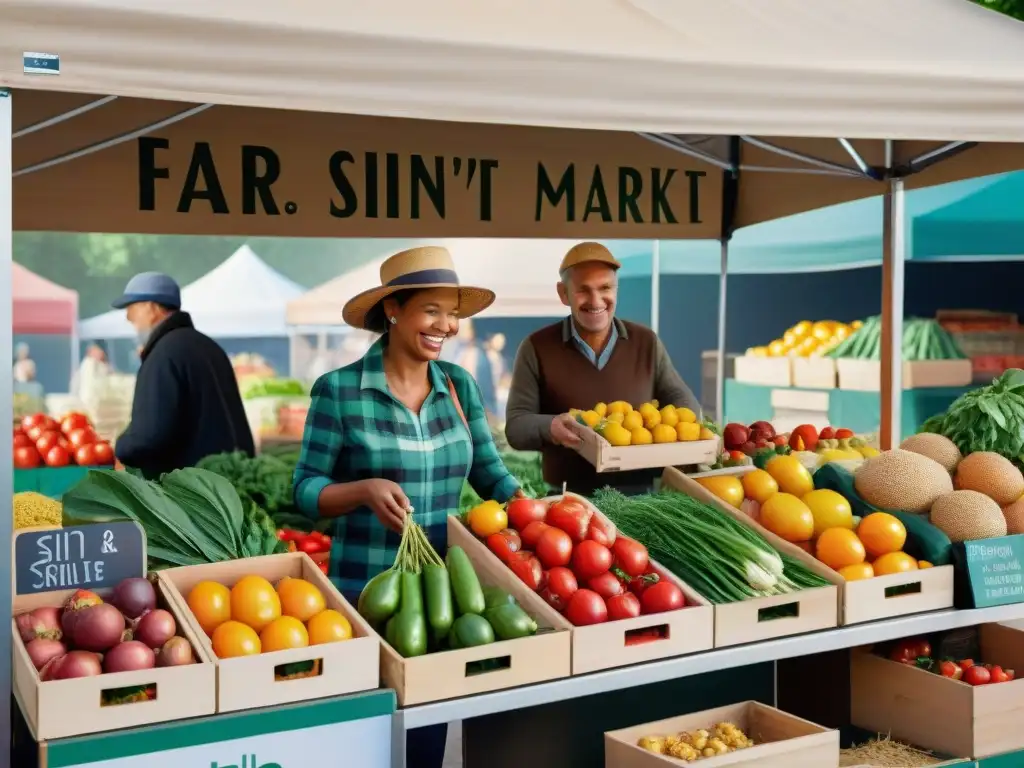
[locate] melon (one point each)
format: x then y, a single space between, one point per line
936 447
968 515
901 480
1014 514
991 474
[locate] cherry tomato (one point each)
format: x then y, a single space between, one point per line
602 531
661 597
950 669
528 569
522 512
977 676
590 559
74 421
325 566
504 544
630 555
561 586
624 606
104 453
21 440
34 433
26 457
571 516
909 650
85 456
966 663
286 534
35 420
554 548
586 607
998 675
46 441
309 545
82 437
607 585
638 584
57 457
531 533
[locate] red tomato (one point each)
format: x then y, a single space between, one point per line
624 606
554 548
34 433
309 545
948 668
571 516
966 663
504 544
602 531
325 566
26 457
35 420
522 512
977 676
561 586
998 675
638 584
283 534
909 650
586 607
74 421
56 457
528 569
21 440
82 437
630 556
85 456
590 559
607 585
661 597
531 534
104 453
46 441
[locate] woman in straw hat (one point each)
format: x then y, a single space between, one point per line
398 432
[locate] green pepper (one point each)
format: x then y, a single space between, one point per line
410 624
380 597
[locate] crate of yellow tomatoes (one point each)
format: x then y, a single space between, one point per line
278 629
618 436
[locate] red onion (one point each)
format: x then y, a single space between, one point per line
129 657
73 664
156 628
134 597
41 623
176 652
97 628
41 651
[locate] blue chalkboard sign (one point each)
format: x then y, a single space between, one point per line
78 557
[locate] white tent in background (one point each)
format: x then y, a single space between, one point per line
523 273
242 298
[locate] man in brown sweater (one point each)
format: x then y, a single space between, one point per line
589 357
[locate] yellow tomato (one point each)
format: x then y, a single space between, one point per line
300 599
894 562
254 602
210 603
686 415
728 488
857 572
590 418
759 485
802 328
619 406
233 638
777 348
688 431
830 510
669 417
615 418
785 515
882 534
922 564
651 415
487 518
617 435
791 475
758 351
284 633
328 627
705 434
839 547
664 433
632 420
640 436
601 409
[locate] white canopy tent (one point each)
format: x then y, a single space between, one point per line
241 298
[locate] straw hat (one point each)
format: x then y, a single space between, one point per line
583 253
426 267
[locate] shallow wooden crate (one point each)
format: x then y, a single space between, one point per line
814 372
58 709
866 375
249 682
781 740
769 371
880 597
609 458
605 646
908 702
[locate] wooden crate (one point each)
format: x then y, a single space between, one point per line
249 682
814 372
866 375
768 371
908 702
607 645
781 740
881 597
608 458
58 709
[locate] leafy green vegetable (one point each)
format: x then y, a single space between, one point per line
211 502
261 387
524 466
923 339
266 480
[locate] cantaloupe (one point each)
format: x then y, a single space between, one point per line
991 474
1014 514
936 447
968 515
901 480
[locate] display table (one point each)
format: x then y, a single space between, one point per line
49 481
859 411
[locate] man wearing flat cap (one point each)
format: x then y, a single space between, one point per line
187 405
589 357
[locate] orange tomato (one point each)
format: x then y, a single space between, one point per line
284 633
857 572
792 476
921 564
881 533
759 485
894 562
728 488
300 599
233 638
254 602
840 547
785 515
487 518
210 603
328 627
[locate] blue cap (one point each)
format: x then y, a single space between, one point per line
150 286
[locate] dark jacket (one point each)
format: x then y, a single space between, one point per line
187 405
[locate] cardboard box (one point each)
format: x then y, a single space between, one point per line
866 375
249 682
608 458
814 372
939 713
780 740
768 371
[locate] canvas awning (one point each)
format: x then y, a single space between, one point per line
41 306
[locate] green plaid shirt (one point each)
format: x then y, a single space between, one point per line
356 430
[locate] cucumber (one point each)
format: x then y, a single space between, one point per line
410 624
469 595
493 597
471 630
380 597
510 622
437 591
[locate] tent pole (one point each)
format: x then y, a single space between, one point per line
6 405
723 287
893 263
655 285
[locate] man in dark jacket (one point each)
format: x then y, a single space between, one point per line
187 405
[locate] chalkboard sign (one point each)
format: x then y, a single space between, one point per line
995 570
78 557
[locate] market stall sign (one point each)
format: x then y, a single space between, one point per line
995 570
81 556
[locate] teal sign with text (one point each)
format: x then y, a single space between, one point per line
995 570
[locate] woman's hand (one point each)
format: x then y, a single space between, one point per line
388 502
